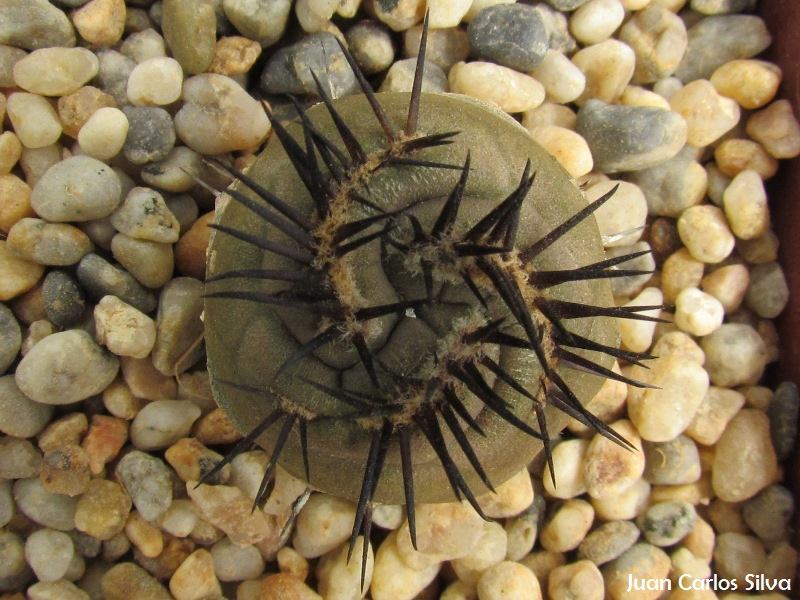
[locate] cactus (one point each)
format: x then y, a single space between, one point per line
422 306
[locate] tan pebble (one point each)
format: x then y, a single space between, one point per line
228 509
744 461
698 492
104 440
29 307
704 229
10 151
677 343
192 461
15 201
34 120
642 562
542 562
512 497
563 81
510 90
508 580
145 381
234 55
128 581
120 401
686 563
549 113
568 526
633 95
776 129
726 517
607 404
290 561
487 552
745 204
681 270
459 590
75 109
568 465
659 39
700 540
146 537
100 22
195 578
580 580
286 586
728 284
781 562
163 566
66 430
37 331
216 428
697 312
393 579
103 510
708 115
190 251
155 82
104 134
55 71
762 249
638 335
65 470
757 396
625 505
716 410
752 83
567 147
339 578
123 329
610 469
737 555
735 155
608 68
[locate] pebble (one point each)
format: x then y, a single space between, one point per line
161 423
145 537
672 462
718 407
400 77
150 263
49 553
580 580
705 232
155 82
490 550
666 523
508 580
399 16
745 204
55 244
744 460
323 524
219 116
228 509
610 469
717 7
79 188
567 526
751 83
608 542
100 278
760 250
625 211
16 201
128 581
288 71
640 562
562 80
735 355
55 71
263 20
10 151
510 497
65 367
145 382
68 429
234 55
634 95
523 43
56 590
339 578
104 440
783 416
171 175
65 470
49 510
36 332
179 519
103 135
148 481
697 312
372 46
672 186
144 45
115 68
237 563
629 138
285 586
190 32
151 134
192 461
510 90
178 326
75 109
737 555
631 284
144 215
708 114
776 129
101 22
19 459
8 57
638 335
568 458
608 67
680 271
195 578
607 404
769 513
290 561
19 415
596 21
34 120
567 147
566 5
33 24
447 13
123 329
658 38
102 510
444 48
190 251
768 293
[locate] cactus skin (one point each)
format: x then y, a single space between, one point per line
364 405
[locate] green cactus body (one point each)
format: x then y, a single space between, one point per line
421 351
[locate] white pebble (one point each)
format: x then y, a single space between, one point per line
489 551
596 20
446 13
510 90
392 579
567 147
155 82
34 120
697 312
123 329
638 335
55 71
549 113
608 67
562 80
323 524
509 581
49 553
162 423
103 135
625 211
340 579
625 505
708 115
568 465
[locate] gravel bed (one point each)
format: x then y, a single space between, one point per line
106 416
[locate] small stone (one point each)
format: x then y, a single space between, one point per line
234 55
9 56
666 523
103 510
716 40
372 46
697 312
444 48
10 151
195 578
566 5
178 326
65 367
228 509
219 116
642 261
144 215
15 203
679 272
55 244
776 129
751 83
103 135
36 161
192 461
148 481
398 16
562 80
744 460
37 331
263 20
322 524
144 45
64 302
179 519
123 329
34 120
567 526
487 552
339 578
672 186
596 21
101 22
155 82
237 563
745 204
65 470
718 7
704 230
120 401
447 13
150 263
608 542
50 510
100 278
673 462
79 188
190 31
56 590
151 134
542 563
163 422
658 37
116 547
285 586
708 115
190 251
66 430
33 24
567 147
510 90
511 498
127 581
75 109
400 77
768 293
737 555
145 537
634 95
580 580
392 578
621 218
760 250
10 338
104 440
783 416
642 562
781 563
715 411
288 71
20 416
524 41
13 570
735 155
508 580
171 175
115 68
608 68
19 459
607 404
769 513
609 469
568 463
735 354
49 553
629 138
55 71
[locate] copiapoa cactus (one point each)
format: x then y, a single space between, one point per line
406 297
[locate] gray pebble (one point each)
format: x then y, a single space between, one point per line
667 523
400 77
150 263
143 45
629 285
100 278
6 509
608 541
261 20
560 38
783 413
51 510
629 138
566 5
672 463
713 41
148 481
151 134
65 367
190 29
288 71
79 188
64 302
55 244
10 338
236 563
185 210
115 68
85 544
18 458
672 186
19 415
12 558
371 45
49 553
100 231
34 24
512 35
9 56
178 326
722 7
769 512
171 174
768 293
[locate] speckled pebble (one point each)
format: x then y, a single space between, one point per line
372 46
524 40
123 329
666 523
151 134
608 541
33 24
19 415
148 481
101 278
64 301
102 510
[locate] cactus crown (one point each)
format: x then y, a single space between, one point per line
405 300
